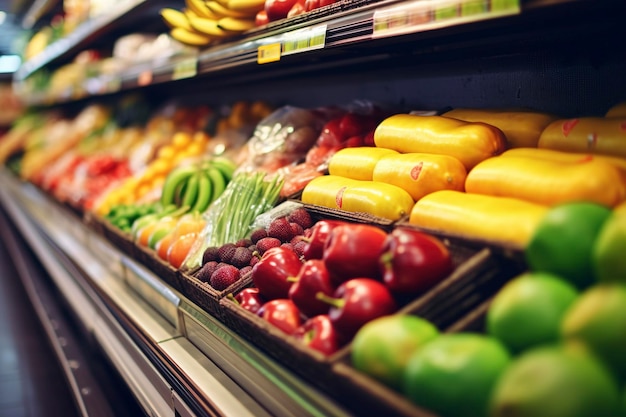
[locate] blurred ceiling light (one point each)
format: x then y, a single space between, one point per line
3 17
9 63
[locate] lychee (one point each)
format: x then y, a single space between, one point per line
299 247
241 257
257 235
226 252
280 229
243 243
224 277
301 216
210 254
267 243
296 229
204 273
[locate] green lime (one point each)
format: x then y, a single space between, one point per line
563 241
556 381
383 346
528 310
598 319
608 260
453 375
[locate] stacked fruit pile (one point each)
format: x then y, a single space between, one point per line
245 253
310 276
553 339
205 22
457 177
151 179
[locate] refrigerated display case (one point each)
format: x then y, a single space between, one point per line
563 57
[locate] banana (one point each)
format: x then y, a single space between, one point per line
205 193
190 37
173 182
175 18
223 2
208 27
233 24
180 192
200 9
224 12
246 5
218 181
191 191
226 166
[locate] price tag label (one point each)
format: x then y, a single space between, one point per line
268 53
303 40
186 68
422 15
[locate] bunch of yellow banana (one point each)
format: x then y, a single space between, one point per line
203 22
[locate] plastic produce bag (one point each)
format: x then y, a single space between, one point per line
283 138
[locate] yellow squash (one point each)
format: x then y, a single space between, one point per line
618 110
548 182
497 219
597 135
421 173
357 163
356 196
469 142
521 127
562 156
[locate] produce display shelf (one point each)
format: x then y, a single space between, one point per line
125 14
191 362
350 38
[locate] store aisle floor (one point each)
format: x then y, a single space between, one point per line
32 383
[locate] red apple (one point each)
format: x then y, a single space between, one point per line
278 9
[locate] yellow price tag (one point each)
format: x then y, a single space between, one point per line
268 53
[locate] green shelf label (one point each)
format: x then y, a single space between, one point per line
422 15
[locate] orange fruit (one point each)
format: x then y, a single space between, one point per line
189 223
163 246
180 248
143 235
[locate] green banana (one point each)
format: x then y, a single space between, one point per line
205 193
226 166
191 190
218 181
173 183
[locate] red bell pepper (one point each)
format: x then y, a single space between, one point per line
356 302
352 251
282 313
413 261
319 334
270 274
312 278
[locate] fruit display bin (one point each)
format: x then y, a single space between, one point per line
119 239
478 274
206 296
148 258
377 399
320 212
